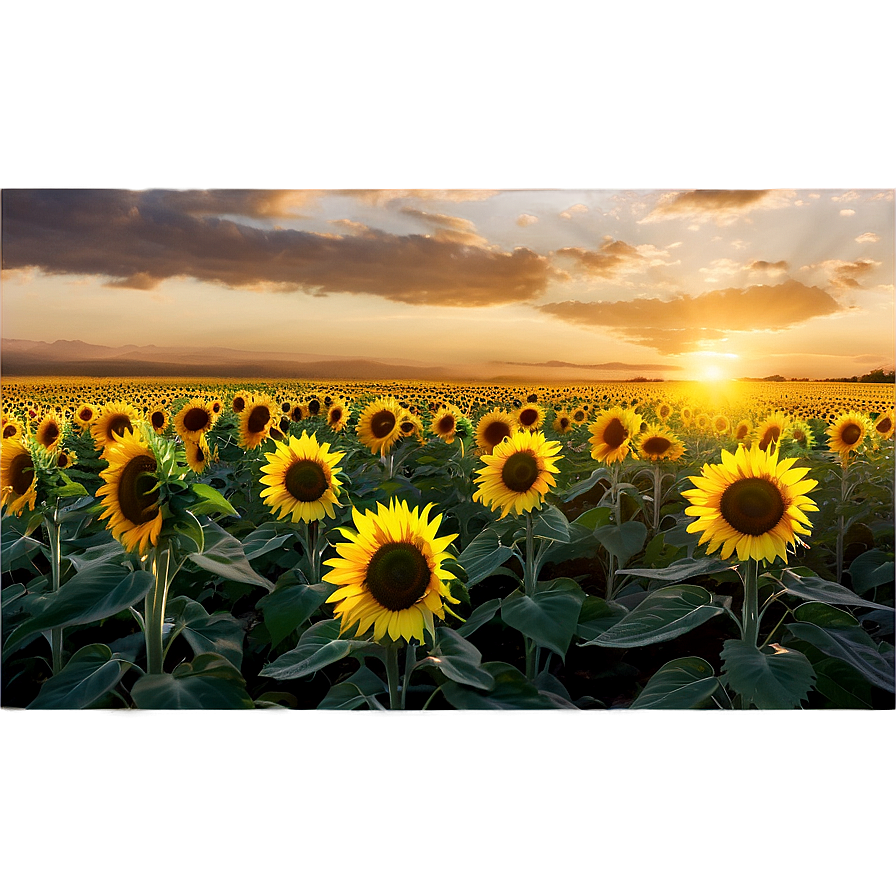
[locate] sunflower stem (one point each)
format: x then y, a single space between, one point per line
844 476
155 610
53 537
313 544
410 660
392 674
657 496
750 571
529 586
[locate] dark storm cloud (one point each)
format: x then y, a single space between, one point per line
138 239
683 323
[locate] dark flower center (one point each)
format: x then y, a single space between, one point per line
238 403
62 460
851 434
528 416
445 424
520 471
752 506
9 431
382 424
885 424
578 416
135 490
741 431
118 424
335 415
495 432
259 417
799 436
398 575
196 419
656 445
85 413
157 419
772 434
21 473
306 481
615 433
314 407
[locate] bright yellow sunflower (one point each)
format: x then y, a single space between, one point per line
379 426
530 416
611 434
493 427
112 421
720 424
518 473
663 411
85 415
743 430
12 428
337 417
239 401
444 423
772 431
751 503
302 479
158 419
883 426
847 433
17 479
129 495
801 434
562 423
256 421
410 425
198 454
193 420
49 432
659 443
390 573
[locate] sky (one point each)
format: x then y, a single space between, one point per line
674 284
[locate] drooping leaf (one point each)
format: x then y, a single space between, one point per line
551 523
483 555
842 684
623 541
210 500
265 539
224 556
550 616
585 485
681 570
217 633
870 570
685 683
317 648
777 678
511 691
813 588
595 518
88 675
457 659
209 682
482 614
359 689
288 606
597 615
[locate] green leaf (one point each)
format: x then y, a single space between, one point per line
210 500
663 615
483 555
511 691
359 689
218 633
87 676
265 539
595 518
224 556
814 589
287 607
482 614
458 660
597 615
681 570
317 648
685 683
550 616
88 596
870 570
838 638
842 685
622 541
209 682
189 527
779 679
551 523
585 485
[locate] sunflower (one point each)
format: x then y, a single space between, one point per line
158 419
390 574
85 415
197 453
379 425
562 423
772 430
518 473
336 417
493 428
17 479
847 433
299 413
743 429
239 401
256 421
687 416
111 422
720 424
802 435
883 426
612 433
65 459
216 406
659 443
193 420
703 421
129 495
579 416
663 411
301 479
49 432
12 429
410 425
313 406
751 503
530 416
444 423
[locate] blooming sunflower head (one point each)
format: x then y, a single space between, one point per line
17 477
612 433
379 426
337 416
772 431
114 420
12 428
743 430
801 436
198 454
389 573
301 479
883 426
493 428
518 473
444 423
751 503
562 423
256 421
847 433
530 416
659 443
158 419
720 425
193 420
579 415
130 494
85 415
663 411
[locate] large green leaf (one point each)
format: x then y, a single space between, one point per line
597 615
217 633
549 617
511 691
842 684
842 637
483 555
685 683
224 556
595 518
687 568
317 648
773 679
551 523
288 606
585 485
88 596
482 614
457 659
265 539
664 615
359 689
813 588
624 541
871 569
210 500
209 682
87 676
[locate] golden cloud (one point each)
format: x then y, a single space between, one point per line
720 206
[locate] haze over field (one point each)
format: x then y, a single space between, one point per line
477 284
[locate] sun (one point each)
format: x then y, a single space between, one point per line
712 373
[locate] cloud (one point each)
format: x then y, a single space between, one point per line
848 196
845 275
686 323
577 209
720 206
767 268
847 212
868 237
138 239
385 197
448 228
609 365
525 220
614 258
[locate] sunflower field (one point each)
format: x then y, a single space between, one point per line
421 546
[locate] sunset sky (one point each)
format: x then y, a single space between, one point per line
674 284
